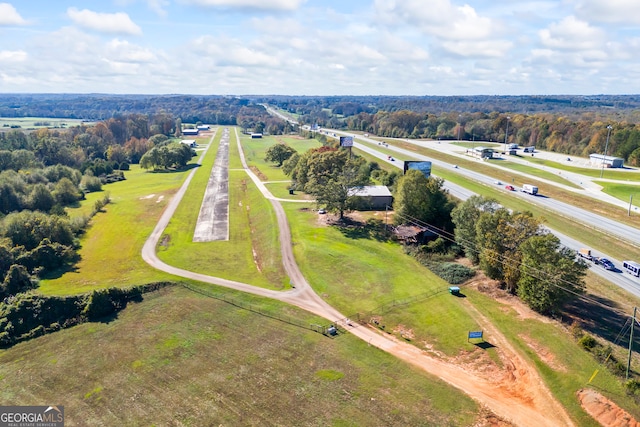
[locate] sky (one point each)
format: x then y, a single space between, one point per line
321 47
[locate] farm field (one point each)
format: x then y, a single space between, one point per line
31 123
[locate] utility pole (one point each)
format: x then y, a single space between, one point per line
506 135
633 322
606 147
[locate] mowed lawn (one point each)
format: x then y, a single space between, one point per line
111 248
179 358
255 151
252 253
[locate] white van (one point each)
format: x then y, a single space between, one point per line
530 189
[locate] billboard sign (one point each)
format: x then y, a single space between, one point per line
346 141
424 167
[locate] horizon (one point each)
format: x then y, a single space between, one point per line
321 48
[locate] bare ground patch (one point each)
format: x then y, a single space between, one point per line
259 173
544 353
604 411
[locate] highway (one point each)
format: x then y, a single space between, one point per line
613 228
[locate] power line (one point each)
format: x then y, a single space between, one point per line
504 259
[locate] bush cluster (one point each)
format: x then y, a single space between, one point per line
603 354
29 315
439 257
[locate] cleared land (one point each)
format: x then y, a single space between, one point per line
30 123
179 358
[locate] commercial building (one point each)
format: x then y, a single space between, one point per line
606 161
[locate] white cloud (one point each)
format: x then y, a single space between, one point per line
439 18
158 6
232 52
477 48
123 51
111 23
243 4
10 16
610 11
13 56
458 30
572 34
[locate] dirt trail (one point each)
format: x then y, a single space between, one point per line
518 397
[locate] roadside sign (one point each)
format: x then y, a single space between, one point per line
474 335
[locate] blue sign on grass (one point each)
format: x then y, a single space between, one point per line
475 334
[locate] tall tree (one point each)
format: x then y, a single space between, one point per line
337 193
464 217
278 153
550 275
423 199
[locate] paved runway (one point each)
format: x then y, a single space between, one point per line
213 220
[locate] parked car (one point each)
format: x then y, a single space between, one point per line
322 211
509 187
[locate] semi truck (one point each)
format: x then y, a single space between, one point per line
530 189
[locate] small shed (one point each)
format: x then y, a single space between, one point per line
372 197
203 127
256 135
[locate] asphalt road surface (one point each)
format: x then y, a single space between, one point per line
213 220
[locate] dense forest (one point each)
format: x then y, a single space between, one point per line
574 125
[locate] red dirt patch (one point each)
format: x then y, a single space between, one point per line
544 353
604 411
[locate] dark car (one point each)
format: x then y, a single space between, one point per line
608 265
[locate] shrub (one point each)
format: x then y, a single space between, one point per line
587 342
29 315
452 272
91 183
632 386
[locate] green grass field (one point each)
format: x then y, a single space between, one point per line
110 252
542 174
255 150
617 174
29 123
179 358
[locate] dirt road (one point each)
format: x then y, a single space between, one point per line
519 397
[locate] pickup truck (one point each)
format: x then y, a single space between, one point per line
586 254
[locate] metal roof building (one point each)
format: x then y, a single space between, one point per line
606 161
372 197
